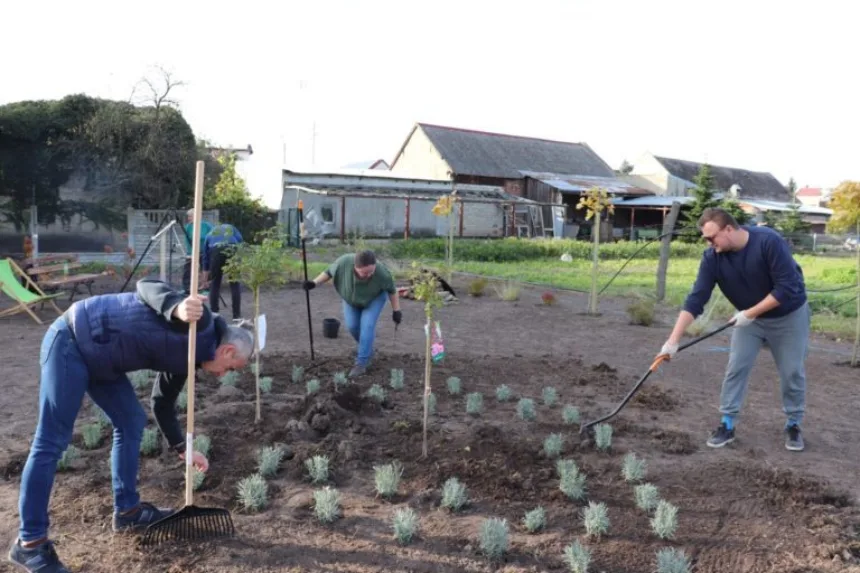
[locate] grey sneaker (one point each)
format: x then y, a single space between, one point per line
722 436
793 438
40 559
146 515
357 371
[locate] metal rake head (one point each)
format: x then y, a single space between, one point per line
191 523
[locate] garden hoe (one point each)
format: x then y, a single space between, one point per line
657 362
191 523
305 265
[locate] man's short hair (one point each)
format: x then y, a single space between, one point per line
189 213
241 338
719 216
365 259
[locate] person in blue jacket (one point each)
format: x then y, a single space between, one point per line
754 269
217 249
89 350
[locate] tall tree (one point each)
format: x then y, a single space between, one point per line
230 196
791 189
703 198
845 203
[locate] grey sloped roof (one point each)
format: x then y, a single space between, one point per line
754 184
496 155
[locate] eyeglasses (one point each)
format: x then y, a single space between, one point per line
710 240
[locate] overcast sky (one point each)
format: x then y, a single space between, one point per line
763 85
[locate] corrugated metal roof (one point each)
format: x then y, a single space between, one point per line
650 201
766 205
579 183
486 154
753 184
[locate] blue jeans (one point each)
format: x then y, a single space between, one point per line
361 323
64 381
788 338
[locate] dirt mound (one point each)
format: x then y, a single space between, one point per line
674 442
654 398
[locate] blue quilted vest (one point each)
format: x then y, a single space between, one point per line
119 333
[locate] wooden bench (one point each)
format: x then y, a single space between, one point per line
51 273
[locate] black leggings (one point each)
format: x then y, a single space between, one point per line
217 261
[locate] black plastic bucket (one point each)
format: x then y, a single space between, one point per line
330 327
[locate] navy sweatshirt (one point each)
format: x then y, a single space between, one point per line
764 266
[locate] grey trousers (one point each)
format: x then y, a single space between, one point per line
788 339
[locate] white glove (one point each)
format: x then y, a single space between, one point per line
670 349
742 320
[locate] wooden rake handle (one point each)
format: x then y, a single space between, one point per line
192 336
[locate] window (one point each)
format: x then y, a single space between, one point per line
327 214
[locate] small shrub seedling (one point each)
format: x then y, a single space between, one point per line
388 478
182 400
312 386
595 517
503 393
474 403
633 469
508 291
326 504
548 298
603 436
140 379
494 537
646 496
102 417
340 379
317 467
552 445
253 492
671 560
550 396
266 384
298 374
454 494
70 456
92 434
641 311
396 379
149 442
570 414
478 286
571 480
577 557
535 520
526 409
405 525
269 460
454 386
665 520
202 444
229 379
197 478
377 393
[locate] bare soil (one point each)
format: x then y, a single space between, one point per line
751 507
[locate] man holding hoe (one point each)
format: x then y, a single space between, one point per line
89 350
364 287
754 269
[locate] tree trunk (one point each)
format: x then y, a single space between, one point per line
427 365
665 247
258 416
592 302
856 356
